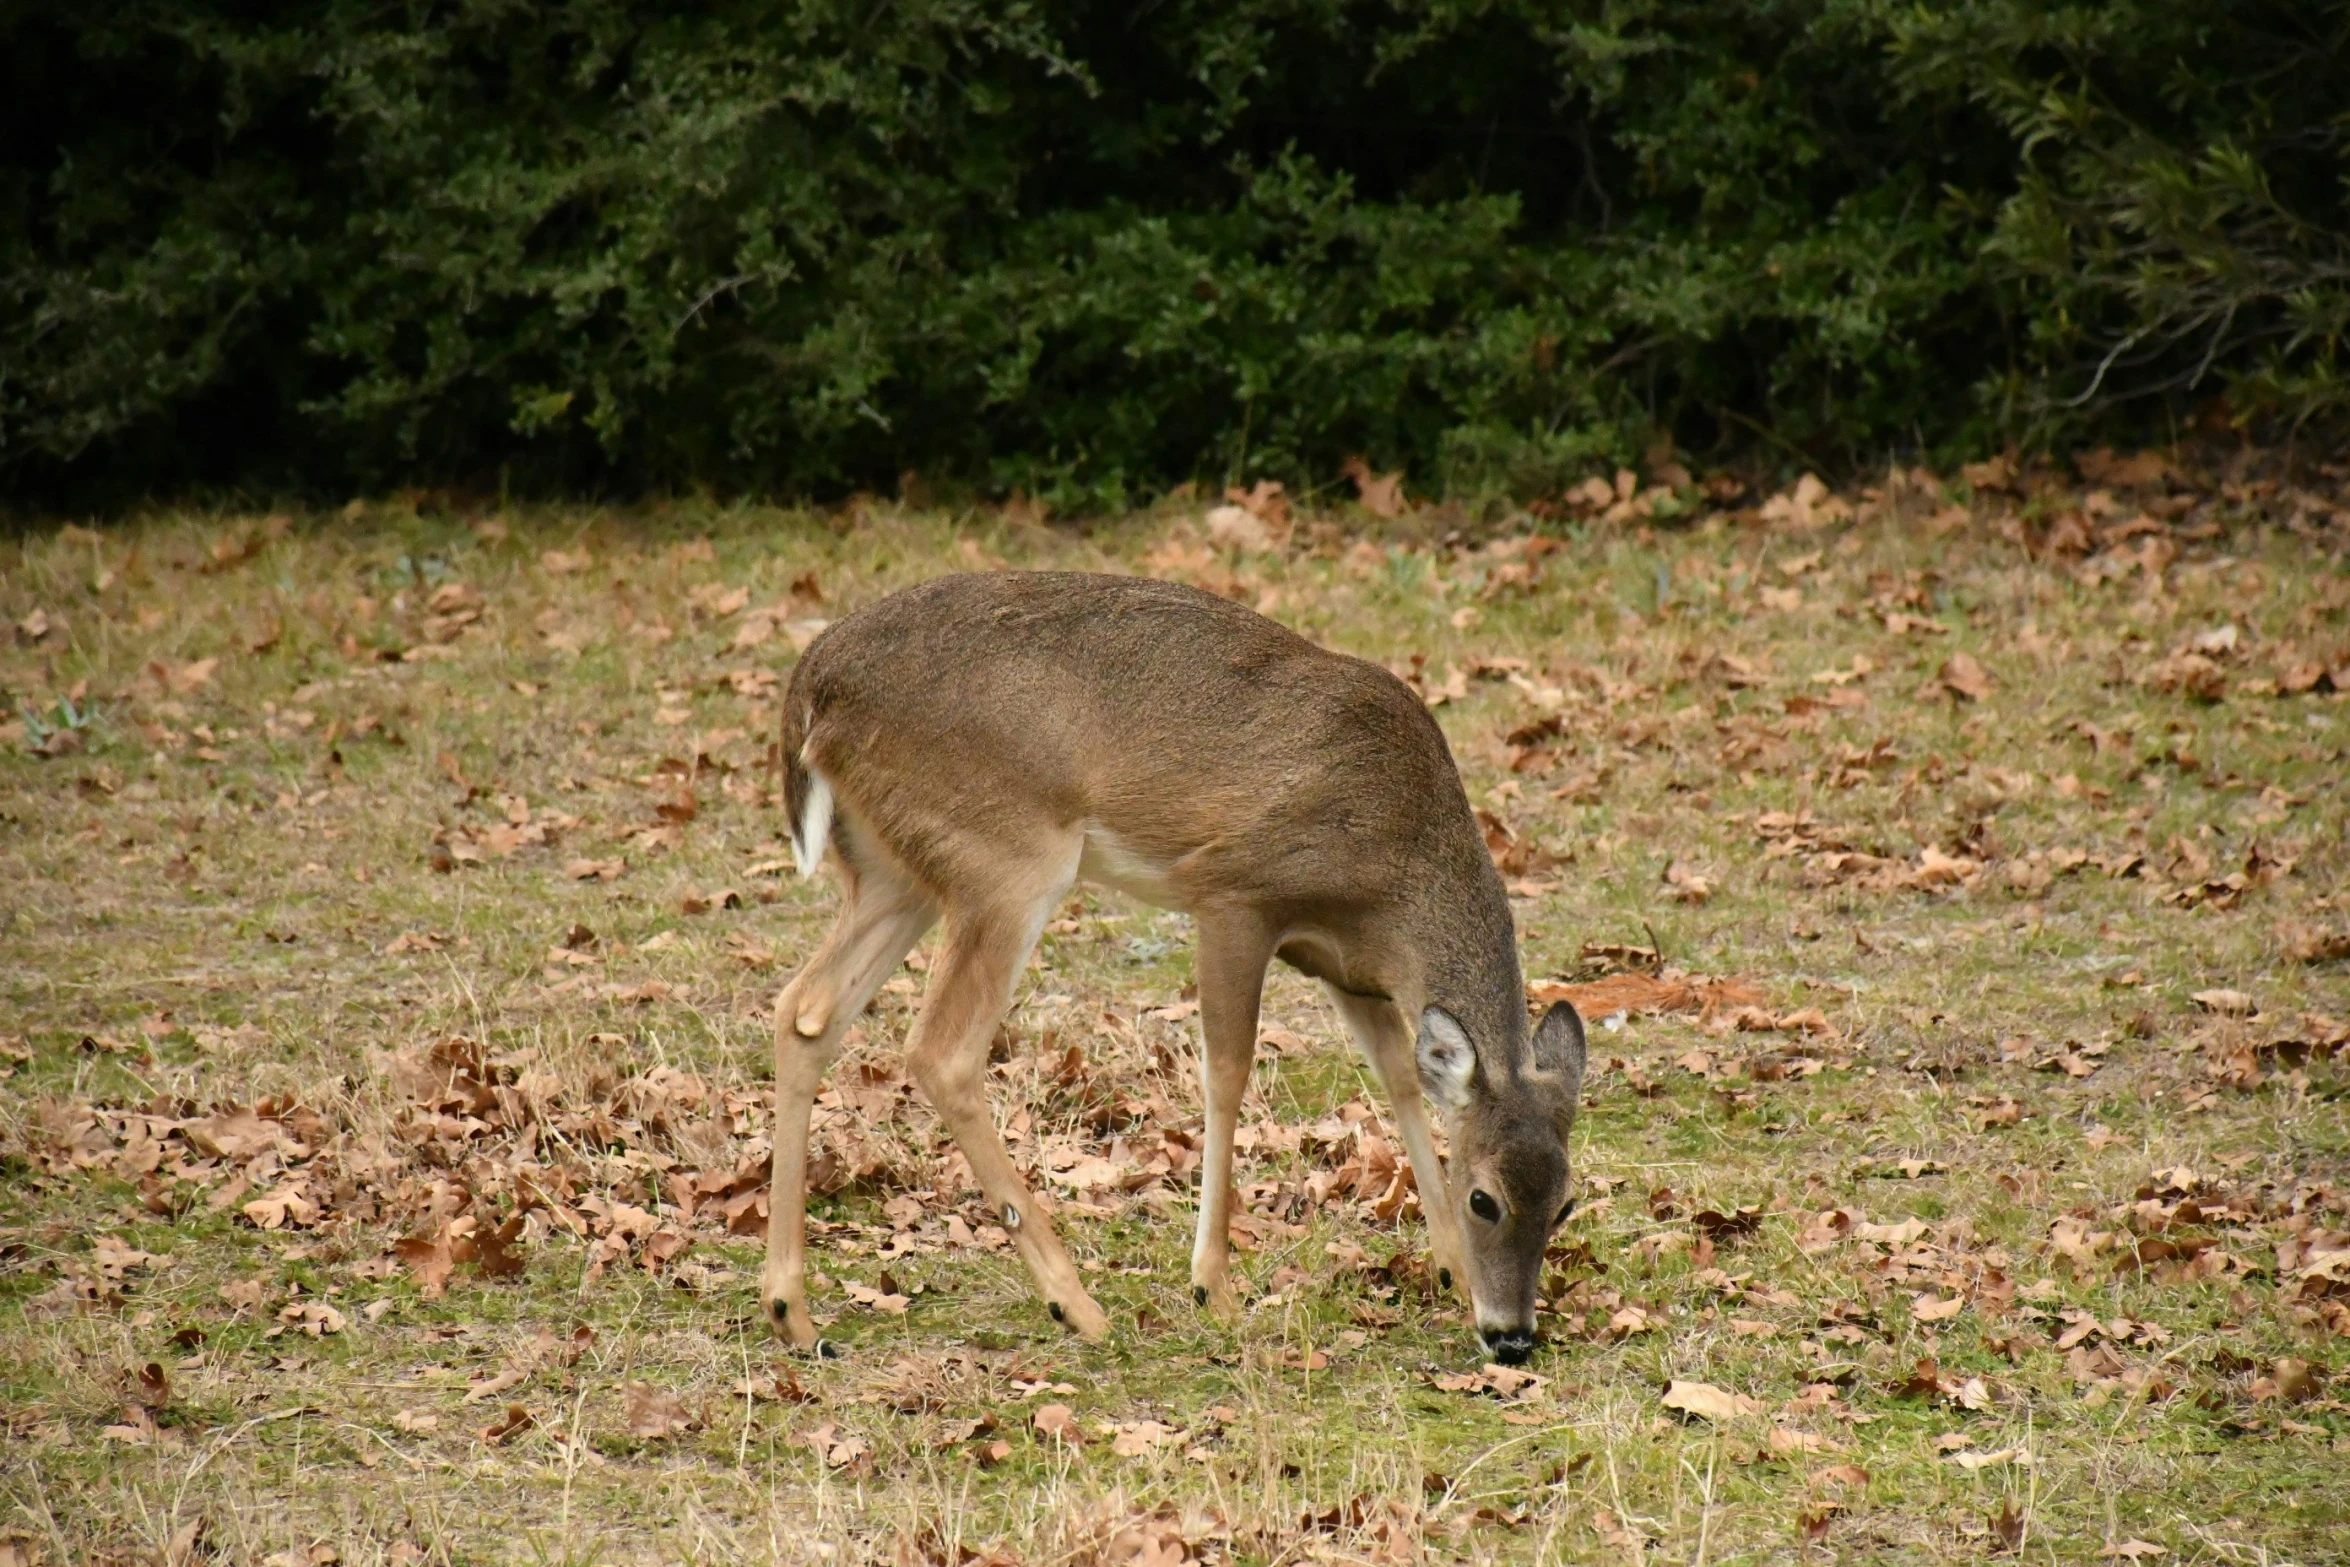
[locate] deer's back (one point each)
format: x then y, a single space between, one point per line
1200 738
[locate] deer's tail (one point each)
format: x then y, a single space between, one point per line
807 794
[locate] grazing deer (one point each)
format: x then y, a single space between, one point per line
966 750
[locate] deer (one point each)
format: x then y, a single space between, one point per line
963 752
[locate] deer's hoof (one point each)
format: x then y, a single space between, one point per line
1217 1299
1080 1316
794 1327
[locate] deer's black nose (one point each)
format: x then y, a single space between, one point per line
1513 1348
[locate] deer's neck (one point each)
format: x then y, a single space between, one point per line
1470 950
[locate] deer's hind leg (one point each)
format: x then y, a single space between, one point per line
980 953
883 916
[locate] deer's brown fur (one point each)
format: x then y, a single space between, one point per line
964 751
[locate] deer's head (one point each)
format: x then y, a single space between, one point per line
1510 1186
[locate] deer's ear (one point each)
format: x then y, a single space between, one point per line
1447 1060
1558 1047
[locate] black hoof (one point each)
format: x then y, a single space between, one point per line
1444 1278
826 1349
1054 1307
1199 1294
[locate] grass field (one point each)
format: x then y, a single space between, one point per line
390 903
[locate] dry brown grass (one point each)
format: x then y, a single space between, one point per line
1971 795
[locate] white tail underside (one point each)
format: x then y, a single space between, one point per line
815 825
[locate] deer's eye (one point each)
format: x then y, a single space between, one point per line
1484 1207
1564 1214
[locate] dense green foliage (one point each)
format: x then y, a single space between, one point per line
1088 250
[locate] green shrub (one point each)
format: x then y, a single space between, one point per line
2179 221
1088 251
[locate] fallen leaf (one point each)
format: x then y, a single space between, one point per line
716 601
1721 1227
515 1421
505 1381
1380 494
189 677
1613 1532
783 1386
1964 678
1239 528
2007 1455
1635 994
314 1317
1060 1423
2310 944
838 1449
430 1260
1686 885
2227 1003
1154 1539
1928 1381
1138 1437
887 1301
137 1428
493 1253
1267 501
2289 1381
288 1206
2007 1526
1629 1320
656 1413
186 1545
1708 1401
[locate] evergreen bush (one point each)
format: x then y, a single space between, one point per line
1087 251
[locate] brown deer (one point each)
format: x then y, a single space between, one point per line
966 750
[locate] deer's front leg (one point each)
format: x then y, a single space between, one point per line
1231 975
1444 1225
1386 1040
